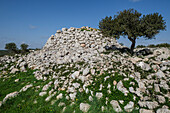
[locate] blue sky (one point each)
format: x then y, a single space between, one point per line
34 21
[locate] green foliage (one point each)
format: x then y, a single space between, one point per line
159 45
168 58
24 48
4 52
140 46
132 24
11 47
153 45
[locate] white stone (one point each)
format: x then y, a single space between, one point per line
61 104
129 107
75 74
73 95
99 95
49 97
16 80
76 85
10 95
92 71
85 71
116 106
14 70
145 111
90 98
42 93
161 99
163 110
26 87
121 88
160 74
60 96
84 107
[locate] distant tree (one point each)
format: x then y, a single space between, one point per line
24 48
11 47
130 24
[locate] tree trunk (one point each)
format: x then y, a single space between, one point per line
132 46
133 40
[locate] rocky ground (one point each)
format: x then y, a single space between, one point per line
74 73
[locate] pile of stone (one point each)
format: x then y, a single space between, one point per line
68 48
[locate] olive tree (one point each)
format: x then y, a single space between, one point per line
24 47
132 24
11 47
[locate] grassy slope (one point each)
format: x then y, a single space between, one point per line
24 102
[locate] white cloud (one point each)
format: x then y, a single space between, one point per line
135 0
32 27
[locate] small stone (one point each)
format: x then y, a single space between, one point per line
49 97
92 71
47 86
121 88
160 74
116 106
131 89
102 108
90 98
114 82
26 87
14 70
58 31
99 95
129 107
16 80
85 71
149 104
84 107
60 96
0 103
145 111
10 95
71 89
61 104
121 101
75 74
163 110
73 95
76 85
156 87
81 89
35 102
161 99
83 45
42 93
53 101
144 66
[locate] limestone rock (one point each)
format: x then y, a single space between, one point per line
75 74
121 88
129 107
163 110
99 95
85 71
42 93
84 107
14 70
26 87
10 95
60 96
145 111
116 106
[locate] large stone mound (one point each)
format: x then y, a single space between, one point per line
78 39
